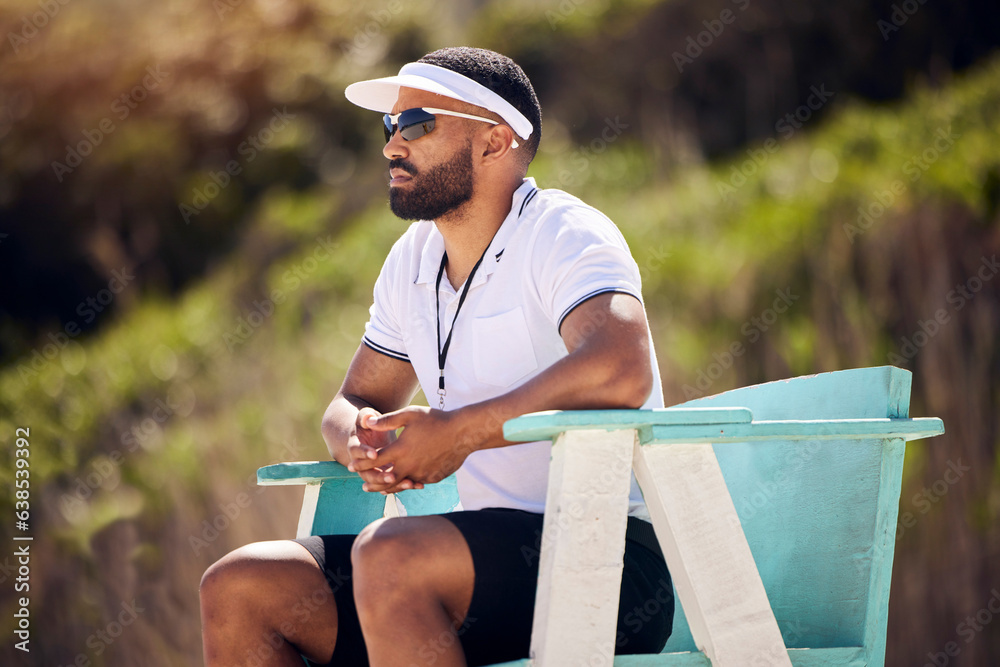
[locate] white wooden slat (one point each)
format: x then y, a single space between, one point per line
393 508
708 556
582 546
308 514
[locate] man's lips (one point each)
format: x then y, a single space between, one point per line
399 176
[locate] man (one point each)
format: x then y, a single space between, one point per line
501 299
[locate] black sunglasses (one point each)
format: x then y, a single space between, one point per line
415 123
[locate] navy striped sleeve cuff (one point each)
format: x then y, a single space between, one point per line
585 297
384 350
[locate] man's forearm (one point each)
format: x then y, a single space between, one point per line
374 381
580 381
608 367
339 424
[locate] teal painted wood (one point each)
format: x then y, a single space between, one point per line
302 472
343 507
808 511
851 656
546 425
859 393
432 499
816 481
883 551
820 516
816 429
542 425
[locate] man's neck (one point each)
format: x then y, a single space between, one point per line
467 233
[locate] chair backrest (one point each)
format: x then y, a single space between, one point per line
819 515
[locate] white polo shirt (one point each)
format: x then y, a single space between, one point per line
551 253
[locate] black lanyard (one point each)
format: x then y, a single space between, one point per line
443 351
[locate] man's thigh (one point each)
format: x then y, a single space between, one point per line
505 545
422 555
504 548
333 555
263 593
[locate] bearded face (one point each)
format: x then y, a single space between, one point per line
434 191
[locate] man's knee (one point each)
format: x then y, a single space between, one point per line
379 545
253 567
276 592
404 556
228 574
399 553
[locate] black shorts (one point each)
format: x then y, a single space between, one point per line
505 546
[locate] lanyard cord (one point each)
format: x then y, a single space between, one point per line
443 351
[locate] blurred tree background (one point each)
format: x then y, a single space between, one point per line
192 217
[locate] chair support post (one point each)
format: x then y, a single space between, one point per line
310 498
708 556
582 546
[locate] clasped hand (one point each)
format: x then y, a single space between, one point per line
427 450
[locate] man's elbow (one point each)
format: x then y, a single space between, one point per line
639 393
330 431
631 384
326 428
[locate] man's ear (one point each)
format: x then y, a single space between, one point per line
499 142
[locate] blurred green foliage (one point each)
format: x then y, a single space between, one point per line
178 397
223 355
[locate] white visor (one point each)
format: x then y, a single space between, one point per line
380 94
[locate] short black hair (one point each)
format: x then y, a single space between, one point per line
501 75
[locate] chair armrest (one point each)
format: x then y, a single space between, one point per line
302 472
817 429
546 425
335 502
712 425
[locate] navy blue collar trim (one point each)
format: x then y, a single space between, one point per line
527 200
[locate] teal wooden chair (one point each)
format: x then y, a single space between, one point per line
775 506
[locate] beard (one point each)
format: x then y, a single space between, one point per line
435 192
